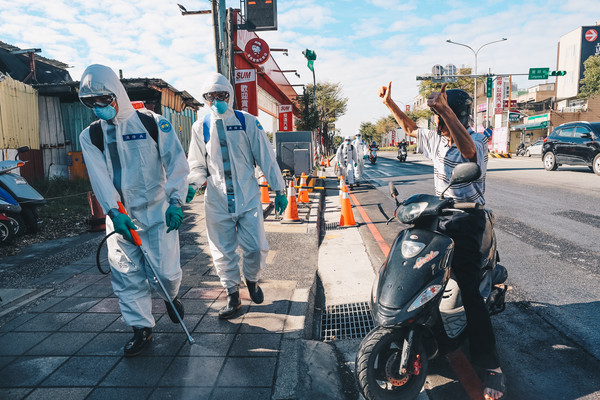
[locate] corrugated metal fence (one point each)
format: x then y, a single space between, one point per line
76 118
19 120
182 123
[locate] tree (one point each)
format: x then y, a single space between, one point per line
368 131
309 120
465 83
383 126
330 106
590 84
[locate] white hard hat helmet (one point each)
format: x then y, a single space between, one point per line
347 138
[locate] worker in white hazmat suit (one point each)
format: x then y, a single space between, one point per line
361 154
146 170
224 148
347 159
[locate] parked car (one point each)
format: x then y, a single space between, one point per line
535 149
573 143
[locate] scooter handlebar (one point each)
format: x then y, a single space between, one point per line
134 235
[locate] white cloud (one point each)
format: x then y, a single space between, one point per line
360 44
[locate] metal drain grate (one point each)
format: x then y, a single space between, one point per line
346 321
330 226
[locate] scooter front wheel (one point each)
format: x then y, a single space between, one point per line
378 363
7 231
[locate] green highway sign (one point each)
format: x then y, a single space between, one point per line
513 117
538 73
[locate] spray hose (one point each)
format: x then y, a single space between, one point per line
98 254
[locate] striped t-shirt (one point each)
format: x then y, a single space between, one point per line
445 158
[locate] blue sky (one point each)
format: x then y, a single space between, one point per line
359 44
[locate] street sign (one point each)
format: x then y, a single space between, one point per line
513 117
591 35
488 133
538 73
450 71
513 103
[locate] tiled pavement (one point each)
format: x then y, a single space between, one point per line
70 346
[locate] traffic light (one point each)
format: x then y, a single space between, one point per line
489 88
557 73
261 15
311 56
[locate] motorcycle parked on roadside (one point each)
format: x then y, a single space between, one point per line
27 197
415 301
9 217
521 150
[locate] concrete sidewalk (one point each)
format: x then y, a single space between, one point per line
64 336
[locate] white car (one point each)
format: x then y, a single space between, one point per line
535 149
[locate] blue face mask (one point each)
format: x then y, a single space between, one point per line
219 106
106 113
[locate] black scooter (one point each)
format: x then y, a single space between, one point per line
28 198
402 154
416 302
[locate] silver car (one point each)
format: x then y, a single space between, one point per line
535 149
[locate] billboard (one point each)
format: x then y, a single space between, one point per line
245 90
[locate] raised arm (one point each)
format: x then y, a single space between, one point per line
408 125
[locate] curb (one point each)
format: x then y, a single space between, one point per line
499 155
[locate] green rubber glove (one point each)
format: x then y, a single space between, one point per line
122 224
281 203
190 194
173 217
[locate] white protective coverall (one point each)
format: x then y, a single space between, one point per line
145 176
361 151
347 156
238 219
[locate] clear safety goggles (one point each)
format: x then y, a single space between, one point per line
212 96
98 101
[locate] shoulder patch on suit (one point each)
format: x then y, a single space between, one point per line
258 125
164 125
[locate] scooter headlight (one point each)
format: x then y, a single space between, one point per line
410 212
425 296
411 249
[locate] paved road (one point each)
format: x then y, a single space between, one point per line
547 227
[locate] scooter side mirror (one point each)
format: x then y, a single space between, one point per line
465 172
393 191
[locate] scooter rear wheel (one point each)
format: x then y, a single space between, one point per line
378 361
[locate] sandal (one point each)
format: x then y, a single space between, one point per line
495 381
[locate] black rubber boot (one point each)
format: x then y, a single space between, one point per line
256 293
178 306
135 345
233 305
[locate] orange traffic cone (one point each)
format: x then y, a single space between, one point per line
264 190
303 194
291 211
322 162
347 217
341 186
328 162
